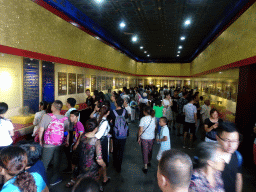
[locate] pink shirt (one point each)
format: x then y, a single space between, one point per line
78 128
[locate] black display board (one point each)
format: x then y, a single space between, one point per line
31 84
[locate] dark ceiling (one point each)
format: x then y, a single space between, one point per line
159 24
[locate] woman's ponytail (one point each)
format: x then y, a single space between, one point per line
149 111
26 182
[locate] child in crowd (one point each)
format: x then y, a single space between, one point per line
96 112
164 137
34 153
134 107
158 114
71 102
78 130
6 131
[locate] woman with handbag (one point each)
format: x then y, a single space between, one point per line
146 136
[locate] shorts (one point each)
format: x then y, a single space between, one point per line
180 119
190 128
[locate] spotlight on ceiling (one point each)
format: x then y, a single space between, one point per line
134 38
99 1
141 47
187 22
180 47
97 38
178 51
182 38
122 25
145 51
148 55
178 55
74 23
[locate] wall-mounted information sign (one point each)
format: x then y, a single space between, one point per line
71 83
62 83
80 83
93 82
48 81
31 84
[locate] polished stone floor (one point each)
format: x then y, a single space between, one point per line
132 179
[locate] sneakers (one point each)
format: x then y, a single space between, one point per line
56 182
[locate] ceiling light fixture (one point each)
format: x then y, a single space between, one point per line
178 55
97 38
141 47
99 1
122 25
180 47
178 51
187 22
74 23
145 51
148 55
134 38
182 38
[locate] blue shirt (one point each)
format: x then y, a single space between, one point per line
10 187
112 106
38 167
165 145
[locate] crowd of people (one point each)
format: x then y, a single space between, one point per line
87 142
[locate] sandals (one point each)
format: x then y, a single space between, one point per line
71 183
105 183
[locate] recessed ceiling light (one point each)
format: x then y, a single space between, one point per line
180 47
187 22
43 65
134 38
74 23
178 55
148 55
99 1
141 47
97 38
182 38
145 51
122 25
178 51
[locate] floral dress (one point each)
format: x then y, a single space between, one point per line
89 153
199 182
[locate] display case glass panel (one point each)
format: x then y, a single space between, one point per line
80 83
103 83
98 83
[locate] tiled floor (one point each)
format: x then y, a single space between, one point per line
132 179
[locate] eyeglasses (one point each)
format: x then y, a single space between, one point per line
229 141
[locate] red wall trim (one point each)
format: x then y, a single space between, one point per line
44 57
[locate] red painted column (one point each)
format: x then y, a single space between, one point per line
246 110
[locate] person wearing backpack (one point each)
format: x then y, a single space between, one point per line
146 136
229 138
120 132
51 137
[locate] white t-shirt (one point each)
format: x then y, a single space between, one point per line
129 110
5 137
104 129
205 112
166 102
189 111
149 126
143 100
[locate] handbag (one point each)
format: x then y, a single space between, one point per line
143 131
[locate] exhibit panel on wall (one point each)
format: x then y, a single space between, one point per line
71 83
31 85
48 81
80 83
62 83
93 83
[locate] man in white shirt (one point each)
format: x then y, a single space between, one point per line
205 111
190 112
